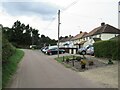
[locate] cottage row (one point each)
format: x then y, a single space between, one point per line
103 32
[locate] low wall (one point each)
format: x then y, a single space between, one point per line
71 50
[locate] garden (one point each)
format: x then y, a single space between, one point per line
81 63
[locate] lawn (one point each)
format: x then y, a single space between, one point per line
64 58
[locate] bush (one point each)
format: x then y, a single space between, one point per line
7 50
9 68
78 58
107 49
67 59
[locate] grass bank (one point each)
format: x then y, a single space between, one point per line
9 68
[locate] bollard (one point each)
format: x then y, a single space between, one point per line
73 62
73 57
67 60
63 58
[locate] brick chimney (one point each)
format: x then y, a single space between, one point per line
69 35
103 23
80 32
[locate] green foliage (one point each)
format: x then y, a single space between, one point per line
10 57
22 36
67 59
108 49
9 68
45 40
60 60
7 50
78 58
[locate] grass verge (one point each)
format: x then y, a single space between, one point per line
9 68
60 60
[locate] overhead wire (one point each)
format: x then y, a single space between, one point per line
64 9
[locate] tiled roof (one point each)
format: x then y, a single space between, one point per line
108 29
103 29
79 35
66 39
62 40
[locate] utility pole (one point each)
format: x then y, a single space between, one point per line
32 39
58 30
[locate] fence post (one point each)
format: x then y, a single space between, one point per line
73 61
63 58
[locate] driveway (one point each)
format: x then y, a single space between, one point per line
107 75
37 70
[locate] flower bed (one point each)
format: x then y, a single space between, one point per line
81 64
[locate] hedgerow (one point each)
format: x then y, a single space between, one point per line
108 49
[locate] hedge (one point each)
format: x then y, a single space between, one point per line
7 50
108 49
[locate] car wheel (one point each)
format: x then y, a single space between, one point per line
93 54
50 53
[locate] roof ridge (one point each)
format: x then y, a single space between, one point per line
104 28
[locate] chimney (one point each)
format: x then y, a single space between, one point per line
69 35
80 32
103 23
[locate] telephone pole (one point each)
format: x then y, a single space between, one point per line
58 30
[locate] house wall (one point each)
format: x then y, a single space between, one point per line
103 36
107 36
88 42
61 43
71 43
76 41
97 36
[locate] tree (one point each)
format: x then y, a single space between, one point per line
22 36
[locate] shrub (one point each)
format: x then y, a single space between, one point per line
78 58
107 49
67 59
7 49
83 62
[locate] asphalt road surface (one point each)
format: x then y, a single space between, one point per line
37 70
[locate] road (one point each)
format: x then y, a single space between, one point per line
37 70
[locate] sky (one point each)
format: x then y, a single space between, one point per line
75 15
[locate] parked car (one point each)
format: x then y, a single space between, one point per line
44 49
90 51
53 51
33 46
83 49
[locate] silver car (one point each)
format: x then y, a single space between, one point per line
82 50
90 51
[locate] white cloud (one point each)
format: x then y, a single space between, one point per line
84 15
